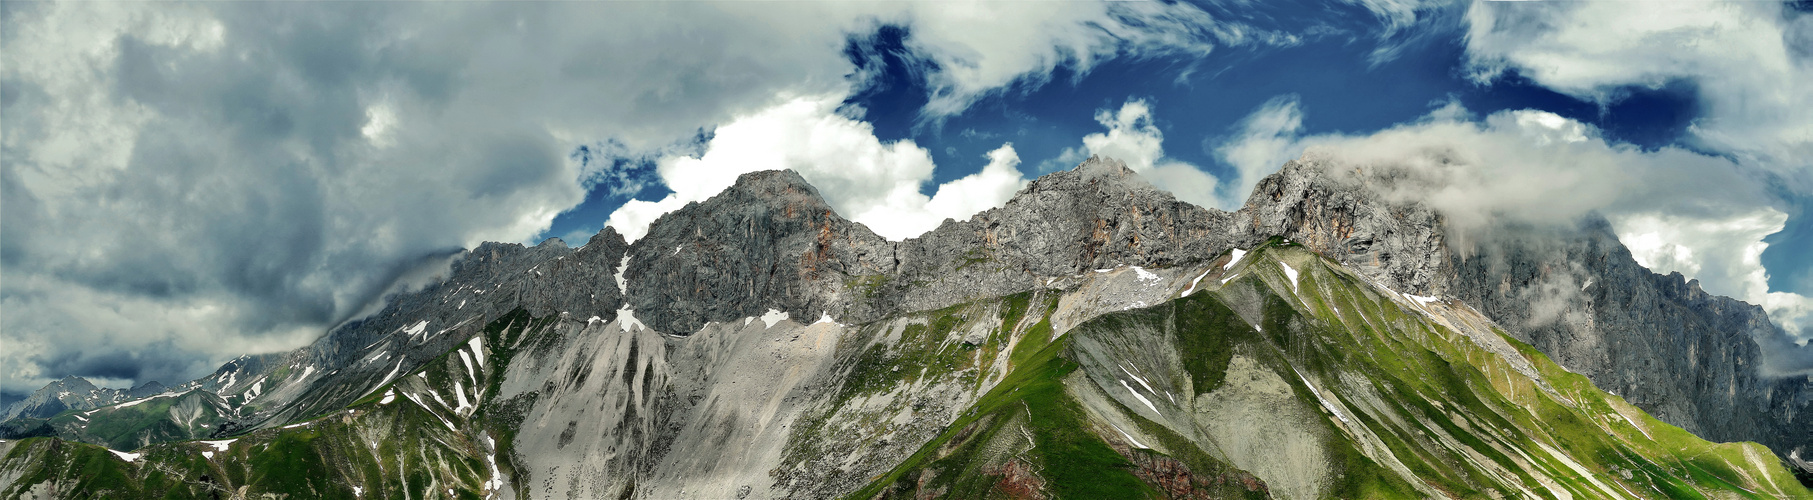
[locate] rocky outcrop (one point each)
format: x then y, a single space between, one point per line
771 242
767 242
1688 357
1574 292
1334 213
70 393
1098 215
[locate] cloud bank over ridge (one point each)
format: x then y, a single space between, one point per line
185 183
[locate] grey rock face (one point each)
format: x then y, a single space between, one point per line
769 241
1098 215
1575 293
1336 215
415 326
70 393
1683 355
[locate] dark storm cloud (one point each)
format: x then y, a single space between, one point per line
185 183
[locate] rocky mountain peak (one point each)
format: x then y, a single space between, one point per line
1105 176
147 389
74 383
770 241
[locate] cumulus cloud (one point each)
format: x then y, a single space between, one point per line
185 183
1264 140
1744 57
1133 137
869 181
1677 210
1724 253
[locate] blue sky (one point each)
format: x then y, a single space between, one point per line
1341 84
185 183
1203 98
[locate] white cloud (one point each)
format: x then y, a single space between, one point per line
1677 210
864 179
1724 253
978 53
1267 139
1134 139
1742 56
267 162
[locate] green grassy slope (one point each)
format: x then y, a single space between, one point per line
386 445
1282 375
1322 386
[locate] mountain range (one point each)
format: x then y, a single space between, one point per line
1092 338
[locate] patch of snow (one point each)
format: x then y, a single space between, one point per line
306 371
1136 378
416 329
129 457
292 426
1135 442
467 360
390 395
825 317
1144 275
460 394
747 320
593 319
1104 270
496 482
1192 288
626 318
393 373
478 349
1292 273
1589 282
1224 281
772 316
437 398
1238 254
1325 403
462 304
1422 299
1135 394
207 454
622 285
677 249
133 403
425 408
358 491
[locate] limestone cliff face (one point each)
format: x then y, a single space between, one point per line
1686 356
1099 215
771 242
1574 292
767 242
